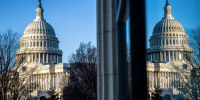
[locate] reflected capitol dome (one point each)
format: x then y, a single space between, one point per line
168 38
169 47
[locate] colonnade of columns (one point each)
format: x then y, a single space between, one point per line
168 42
47 81
26 44
164 56
41 57
163 80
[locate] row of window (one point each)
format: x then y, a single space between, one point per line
169 35
168 55
168 42
40 44
170 29
39 37
41 30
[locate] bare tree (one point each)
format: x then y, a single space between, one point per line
188 75
12 85
156 94
83 71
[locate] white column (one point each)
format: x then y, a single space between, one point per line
179 55
49 80
56 81
169 56
31 57
37 81
39 57
161 79
153 79
35 57
160 56
159 75
53 81
42 79
168 79
43 57
57 58
47 58
165 80
164 55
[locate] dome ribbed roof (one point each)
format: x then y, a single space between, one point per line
168 25
39 36
41 27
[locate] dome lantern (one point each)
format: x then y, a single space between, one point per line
39 12
167 9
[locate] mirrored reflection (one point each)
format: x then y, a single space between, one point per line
173 49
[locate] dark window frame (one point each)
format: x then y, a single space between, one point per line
135 10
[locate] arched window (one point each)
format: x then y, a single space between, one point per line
44 44
167 55
170 41
163 42
40 44
33 44
47 44
171 55
37 44
166 41
173 41
174 55
30 44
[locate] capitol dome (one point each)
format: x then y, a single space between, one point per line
168 41
168 25
39 43
39 27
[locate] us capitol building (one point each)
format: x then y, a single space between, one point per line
168 48
39 47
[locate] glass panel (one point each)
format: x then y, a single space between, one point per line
128 56
176 24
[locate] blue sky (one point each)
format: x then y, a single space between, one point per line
74 21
